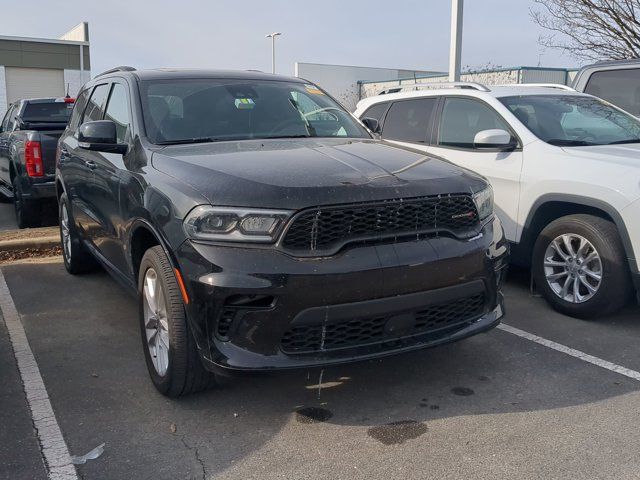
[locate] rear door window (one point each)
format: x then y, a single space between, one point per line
620 87
95 107
463 118
408 120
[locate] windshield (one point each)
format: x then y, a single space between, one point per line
54 112
201 110
574 120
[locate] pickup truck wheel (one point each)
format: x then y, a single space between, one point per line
579 265
169 348
76 258
27 212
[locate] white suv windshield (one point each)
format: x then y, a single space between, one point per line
573 120
194 110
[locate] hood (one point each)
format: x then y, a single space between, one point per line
299 173
626 155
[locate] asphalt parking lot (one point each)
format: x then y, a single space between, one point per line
493 406
7 217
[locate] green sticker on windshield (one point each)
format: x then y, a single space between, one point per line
244 103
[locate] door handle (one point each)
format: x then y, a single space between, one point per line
90 164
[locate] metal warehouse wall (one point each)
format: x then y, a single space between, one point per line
342 81
17 53
544 76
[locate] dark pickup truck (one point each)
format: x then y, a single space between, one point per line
28 140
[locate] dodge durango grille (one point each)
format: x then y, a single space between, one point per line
435 319
327 229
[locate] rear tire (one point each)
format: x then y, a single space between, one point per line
599 273
76 257
170 350
27 211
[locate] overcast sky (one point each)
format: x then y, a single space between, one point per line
231 34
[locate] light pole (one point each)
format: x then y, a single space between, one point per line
273 36
456 40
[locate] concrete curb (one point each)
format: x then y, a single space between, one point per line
39 243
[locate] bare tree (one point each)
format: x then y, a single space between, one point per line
591 29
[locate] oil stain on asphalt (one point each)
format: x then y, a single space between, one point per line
462 391
397 432
313 415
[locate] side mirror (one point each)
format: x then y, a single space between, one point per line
494 138
100 136
372 124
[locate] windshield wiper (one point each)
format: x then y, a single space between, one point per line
629 140
193 140
561 142
184 141
284 136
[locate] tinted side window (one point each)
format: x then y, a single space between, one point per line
78 109
118 111
620 87
376 111
407 120
463 118
11 117
95 106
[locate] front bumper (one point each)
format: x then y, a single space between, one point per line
257 308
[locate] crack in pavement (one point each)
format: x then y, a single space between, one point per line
196 454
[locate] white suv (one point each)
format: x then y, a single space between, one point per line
565 169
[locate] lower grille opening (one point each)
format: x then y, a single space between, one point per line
235 306
442 317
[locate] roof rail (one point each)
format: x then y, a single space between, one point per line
122 68
558 86
429 86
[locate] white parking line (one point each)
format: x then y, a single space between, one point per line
571 351
53 448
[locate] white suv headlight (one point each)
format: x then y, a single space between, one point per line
235 224
484 202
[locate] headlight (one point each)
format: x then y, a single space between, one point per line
484 202
235 224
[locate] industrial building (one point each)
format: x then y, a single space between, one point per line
351 84
42 67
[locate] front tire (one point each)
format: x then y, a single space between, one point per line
170 351
579 265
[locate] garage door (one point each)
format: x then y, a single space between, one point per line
33 83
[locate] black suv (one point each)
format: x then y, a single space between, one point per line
263 227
